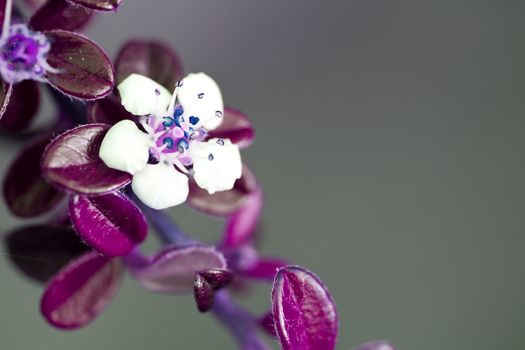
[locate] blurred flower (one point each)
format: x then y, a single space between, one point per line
45 49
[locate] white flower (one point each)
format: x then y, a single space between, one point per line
174 144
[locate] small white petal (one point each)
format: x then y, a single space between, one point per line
160 186
216 164
201 97
142 96
125 147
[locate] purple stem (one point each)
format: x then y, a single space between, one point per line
240 323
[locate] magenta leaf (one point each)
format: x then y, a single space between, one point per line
150 58
174 269
59 14
203 294
22 107
223 203
267 324
40 251
241 225
264 268
236 127
71 161
85 71
111 224
26 192
81 290
376 345
304 312
108 110
101 5
5 95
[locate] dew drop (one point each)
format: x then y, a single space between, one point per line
218 114
179 83
157 92
220 142
201 95
210 157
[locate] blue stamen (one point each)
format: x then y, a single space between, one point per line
168 122
178 111
182 145
194 120
168 141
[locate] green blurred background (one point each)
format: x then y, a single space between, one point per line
390 147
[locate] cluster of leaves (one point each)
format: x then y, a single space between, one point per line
91 227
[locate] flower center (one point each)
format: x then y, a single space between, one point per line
23 54
173 136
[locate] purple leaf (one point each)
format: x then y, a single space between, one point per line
40 251
2 10
264 269
108 110
376 345
241 225
111 224
150 58
203 294
26 192
267 323
101 5
85 71
174 269
223 203
81 290
304 312
33 4
217 278
59 14
236 127
5 95
22 108
71 161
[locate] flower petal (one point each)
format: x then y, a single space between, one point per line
26 192
125 147
201 97
174 269
160 186
81 290
111 224
216 164
142 96
152 59
376 345
304 313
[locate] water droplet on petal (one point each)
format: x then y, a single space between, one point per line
218 114
220 142
201 95
210 157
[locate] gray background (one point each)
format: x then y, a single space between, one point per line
391 150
